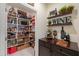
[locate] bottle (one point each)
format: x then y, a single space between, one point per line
63 33
55 11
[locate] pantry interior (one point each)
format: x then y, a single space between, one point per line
19 29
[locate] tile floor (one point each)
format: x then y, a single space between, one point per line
25 52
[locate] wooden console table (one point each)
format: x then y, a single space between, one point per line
47 49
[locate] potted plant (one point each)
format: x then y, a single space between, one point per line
66 10
70 9
49 22
63 10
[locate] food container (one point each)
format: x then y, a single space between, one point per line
11 50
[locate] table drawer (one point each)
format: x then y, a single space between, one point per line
71 52
44 44
65 51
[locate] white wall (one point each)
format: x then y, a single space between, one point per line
40 24
2 29
75 38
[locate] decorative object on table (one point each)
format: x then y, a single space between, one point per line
68 39
55 34
49 36
63 33
54 12
62 43
49 33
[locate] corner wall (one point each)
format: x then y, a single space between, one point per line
3 29
40 24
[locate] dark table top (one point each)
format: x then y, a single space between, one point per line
73 45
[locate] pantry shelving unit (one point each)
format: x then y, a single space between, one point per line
20 30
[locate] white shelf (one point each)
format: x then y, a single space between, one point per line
23 18
22 25
11 39
13 17
11 24
20 44
12 46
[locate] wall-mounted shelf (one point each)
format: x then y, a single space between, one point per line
60 24
58 16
